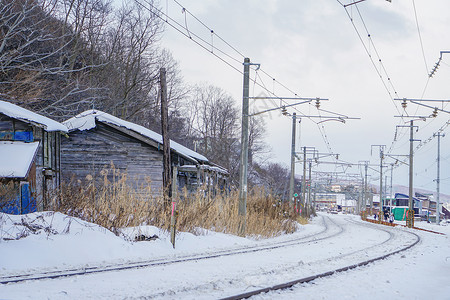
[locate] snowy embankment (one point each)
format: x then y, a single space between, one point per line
46 241
42 242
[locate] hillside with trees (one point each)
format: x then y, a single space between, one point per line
62 57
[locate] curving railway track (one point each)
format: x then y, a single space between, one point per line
240 272
292 283
325 233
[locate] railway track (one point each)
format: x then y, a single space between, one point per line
318 236
292 283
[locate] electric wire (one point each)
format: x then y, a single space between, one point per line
210 29
235 49
378 55
370 55
211 48
420 37
367 49
184 10
189 36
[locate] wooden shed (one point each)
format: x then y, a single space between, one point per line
29 159
98 140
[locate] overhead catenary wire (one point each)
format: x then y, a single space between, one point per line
420 37
230 56
258 80
370 55
234 48
367 48
210 29
200 41
275 81
182 28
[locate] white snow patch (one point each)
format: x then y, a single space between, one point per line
17 112
16 158
419 273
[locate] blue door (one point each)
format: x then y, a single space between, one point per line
28 204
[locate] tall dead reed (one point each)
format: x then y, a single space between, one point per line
112 203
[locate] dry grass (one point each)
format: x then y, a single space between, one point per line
114 205
8 192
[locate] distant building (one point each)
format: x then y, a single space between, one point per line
328 200
376 200
402 200
428 204
336 188
29 159
97 140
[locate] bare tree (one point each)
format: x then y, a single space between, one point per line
59 57
274 178
131 49
212 120
256 134
43 61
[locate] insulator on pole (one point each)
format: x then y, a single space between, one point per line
404 104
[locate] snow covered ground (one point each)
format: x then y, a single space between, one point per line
51 241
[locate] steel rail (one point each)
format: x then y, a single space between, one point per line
290 284
160 262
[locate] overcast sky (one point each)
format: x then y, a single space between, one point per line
311 47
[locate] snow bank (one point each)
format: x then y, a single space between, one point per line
51 240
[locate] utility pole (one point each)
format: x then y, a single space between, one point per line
292 179
391 194
380 213
385 190
410 219
315 191
244 152
410 214
304 183
173 217
438 176
361 205
366 166
309 185
165 135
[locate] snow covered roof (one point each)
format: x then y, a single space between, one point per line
19 113
16 158
214 168
86 120
404 196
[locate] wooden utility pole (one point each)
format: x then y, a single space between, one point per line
165 135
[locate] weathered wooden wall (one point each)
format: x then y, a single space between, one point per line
89 152
44 175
